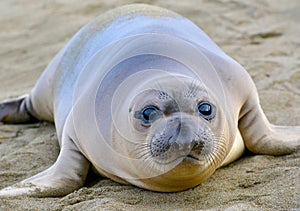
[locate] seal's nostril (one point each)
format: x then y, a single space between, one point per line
194 143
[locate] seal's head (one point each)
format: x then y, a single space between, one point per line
177 134
155 113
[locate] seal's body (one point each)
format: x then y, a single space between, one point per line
148 99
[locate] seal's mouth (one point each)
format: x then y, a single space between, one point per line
190 159
190 156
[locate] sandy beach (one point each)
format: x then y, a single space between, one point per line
263 36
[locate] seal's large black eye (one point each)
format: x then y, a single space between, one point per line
206 110
148 114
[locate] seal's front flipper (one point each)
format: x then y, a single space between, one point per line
260 136
67 174
16 111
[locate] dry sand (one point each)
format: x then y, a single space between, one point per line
261 35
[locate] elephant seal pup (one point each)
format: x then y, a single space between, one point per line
147 98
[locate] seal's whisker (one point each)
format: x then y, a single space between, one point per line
142 152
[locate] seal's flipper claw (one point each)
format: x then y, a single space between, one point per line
260 136
67 174
16 111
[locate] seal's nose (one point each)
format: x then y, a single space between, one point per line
178 138
183 138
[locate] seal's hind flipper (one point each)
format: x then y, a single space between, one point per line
16 111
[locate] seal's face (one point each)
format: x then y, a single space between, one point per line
174 131
181 129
